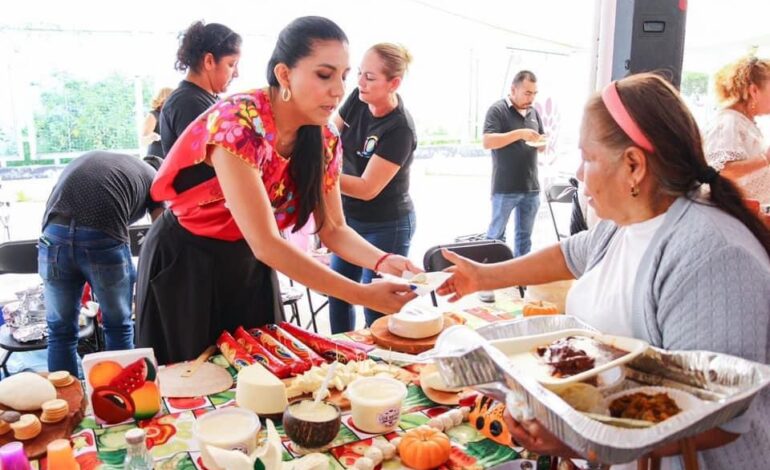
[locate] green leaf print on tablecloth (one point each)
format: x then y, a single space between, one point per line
345 436
89 422
412 420
222 398
181 461
415 400
222 362
111 443
464 434
489 453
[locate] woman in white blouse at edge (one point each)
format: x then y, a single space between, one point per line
678 260
734 143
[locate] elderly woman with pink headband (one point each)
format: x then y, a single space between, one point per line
677 260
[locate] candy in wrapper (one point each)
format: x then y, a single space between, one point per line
295 345
326 348
277 349
257 351
235 354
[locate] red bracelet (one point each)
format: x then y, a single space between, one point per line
379 261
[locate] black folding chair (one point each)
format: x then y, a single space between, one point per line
18 257
482 251
136 234
565 193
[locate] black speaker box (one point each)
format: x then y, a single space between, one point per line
649 37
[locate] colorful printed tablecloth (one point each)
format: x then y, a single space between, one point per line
171 441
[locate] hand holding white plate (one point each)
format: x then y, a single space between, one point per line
536 143
422 283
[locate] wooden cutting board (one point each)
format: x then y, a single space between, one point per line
208 379
387 340
36 448
338 397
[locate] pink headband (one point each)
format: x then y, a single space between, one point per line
619 113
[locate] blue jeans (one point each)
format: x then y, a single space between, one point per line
393 237
526 205
68 257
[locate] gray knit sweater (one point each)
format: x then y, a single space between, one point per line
702 284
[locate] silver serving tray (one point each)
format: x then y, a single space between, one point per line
728 384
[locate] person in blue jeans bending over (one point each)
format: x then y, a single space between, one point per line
378 141
85 239
511 125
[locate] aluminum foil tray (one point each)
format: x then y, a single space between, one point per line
728 385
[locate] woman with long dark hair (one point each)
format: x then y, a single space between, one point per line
678 260
206 266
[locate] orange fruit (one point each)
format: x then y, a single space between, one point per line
103 372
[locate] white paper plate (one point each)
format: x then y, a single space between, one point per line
515 349
422 283
537 143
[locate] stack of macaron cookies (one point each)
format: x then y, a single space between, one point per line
27 427
61 378
54 411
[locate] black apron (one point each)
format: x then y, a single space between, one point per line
191 288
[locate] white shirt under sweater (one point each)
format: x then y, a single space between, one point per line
602 296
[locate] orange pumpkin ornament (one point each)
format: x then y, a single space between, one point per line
424 448
539 307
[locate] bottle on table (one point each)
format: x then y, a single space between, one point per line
61 456
137 455
12 457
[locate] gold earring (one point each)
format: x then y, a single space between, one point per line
753 105
285 94
634 191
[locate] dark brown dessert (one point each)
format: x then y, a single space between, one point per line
572 355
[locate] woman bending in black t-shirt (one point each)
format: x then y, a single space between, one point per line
378 141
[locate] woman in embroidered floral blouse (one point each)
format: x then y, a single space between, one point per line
206 266
734 143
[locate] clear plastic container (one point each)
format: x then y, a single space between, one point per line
227 428
375 403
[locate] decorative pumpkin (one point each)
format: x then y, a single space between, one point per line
487 417
540 307
424 448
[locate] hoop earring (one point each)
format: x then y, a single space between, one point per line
634 191
285 94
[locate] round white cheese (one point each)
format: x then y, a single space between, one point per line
416 323
26 391
260 391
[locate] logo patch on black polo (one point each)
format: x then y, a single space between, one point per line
369 145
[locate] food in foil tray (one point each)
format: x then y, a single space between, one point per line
575 354
655 407
584 397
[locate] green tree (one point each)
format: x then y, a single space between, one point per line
79 115
7 143
695 83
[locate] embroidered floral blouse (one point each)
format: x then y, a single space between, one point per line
242 124
734 137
